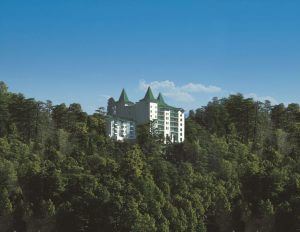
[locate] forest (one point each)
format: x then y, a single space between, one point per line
238 170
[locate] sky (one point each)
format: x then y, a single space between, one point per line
85 51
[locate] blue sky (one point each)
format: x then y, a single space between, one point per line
83 51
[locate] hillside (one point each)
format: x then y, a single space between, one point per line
238 170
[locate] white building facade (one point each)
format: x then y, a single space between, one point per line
169 121
121 129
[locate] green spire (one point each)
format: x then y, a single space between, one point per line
149 95
160 99
123 97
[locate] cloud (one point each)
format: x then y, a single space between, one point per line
179 93
199 88
262 99
157 85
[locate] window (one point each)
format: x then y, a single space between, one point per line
167 128
180 124
180 129
180 134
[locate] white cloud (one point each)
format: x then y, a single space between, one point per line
199 88
179 93
262 99
157 85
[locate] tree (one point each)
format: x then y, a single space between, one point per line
111 107
59 115
4 113
133 162
237 170
3 88
278 116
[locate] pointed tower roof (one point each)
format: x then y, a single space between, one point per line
160 99
124 97
149 95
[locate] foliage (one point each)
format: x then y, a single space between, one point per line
238 170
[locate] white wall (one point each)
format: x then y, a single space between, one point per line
120 129
153 111
167 126
181 126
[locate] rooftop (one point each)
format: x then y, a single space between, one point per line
124 98
148 97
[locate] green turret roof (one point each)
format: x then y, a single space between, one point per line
124 97
160 99
149 95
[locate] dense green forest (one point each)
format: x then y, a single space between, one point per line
238 170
